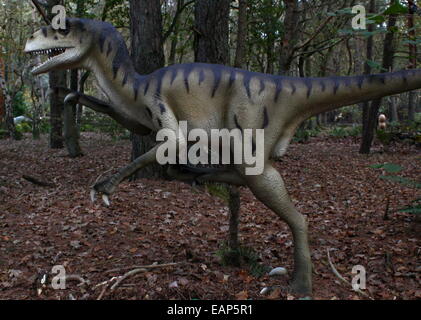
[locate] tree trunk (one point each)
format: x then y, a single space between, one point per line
174 40
367 70
8 105
71 132
289 39
393 112
211 43
212 46
240 52
388 59
57 78
148 56
412 58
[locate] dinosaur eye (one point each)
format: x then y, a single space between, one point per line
64 32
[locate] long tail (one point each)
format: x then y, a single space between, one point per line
324 94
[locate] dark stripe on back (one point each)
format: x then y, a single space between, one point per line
145 91
309 84
335 85
233 77
360 81
173 75
126 76
110 48
101 42
217 75
201 76
294 88
246 83
160 78
278 88
236 123
136 84
162 108
265 118
322 85
262 86
119 59
149 112
187 71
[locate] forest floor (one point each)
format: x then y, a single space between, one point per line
170 222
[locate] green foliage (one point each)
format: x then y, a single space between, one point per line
415 207
388 167
218 190
20 106
23 127
3 133
44 126
247 257
396 8
407 132
343 132
303 135
93 122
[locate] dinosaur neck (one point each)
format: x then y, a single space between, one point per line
114 79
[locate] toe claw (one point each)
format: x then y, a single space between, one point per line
106 200
93 195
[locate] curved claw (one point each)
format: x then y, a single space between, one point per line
71 97
93 195
106 200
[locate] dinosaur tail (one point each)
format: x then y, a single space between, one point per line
330 93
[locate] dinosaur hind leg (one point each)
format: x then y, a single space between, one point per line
269 188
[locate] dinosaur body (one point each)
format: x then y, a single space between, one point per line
209 97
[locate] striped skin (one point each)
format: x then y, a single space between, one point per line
213 96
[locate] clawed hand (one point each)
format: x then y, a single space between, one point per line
105 188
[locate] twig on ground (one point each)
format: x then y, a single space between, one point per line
152 266
118 280
386 210
38 182
75 277
125 276
337 274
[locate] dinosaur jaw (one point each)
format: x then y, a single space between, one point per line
57 58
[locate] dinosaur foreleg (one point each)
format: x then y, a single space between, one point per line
269 188
107 187
76 97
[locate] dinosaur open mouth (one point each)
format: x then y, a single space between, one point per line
51 53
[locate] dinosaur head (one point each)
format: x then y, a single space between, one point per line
64 49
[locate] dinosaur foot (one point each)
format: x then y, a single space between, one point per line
105 188
105 198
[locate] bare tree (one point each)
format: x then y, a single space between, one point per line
373 111
148 56
211 43
241 49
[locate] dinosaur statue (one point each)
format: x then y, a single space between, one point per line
208 97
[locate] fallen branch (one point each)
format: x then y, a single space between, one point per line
118 280
75 277
39 182
151 266
337 274
125 276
